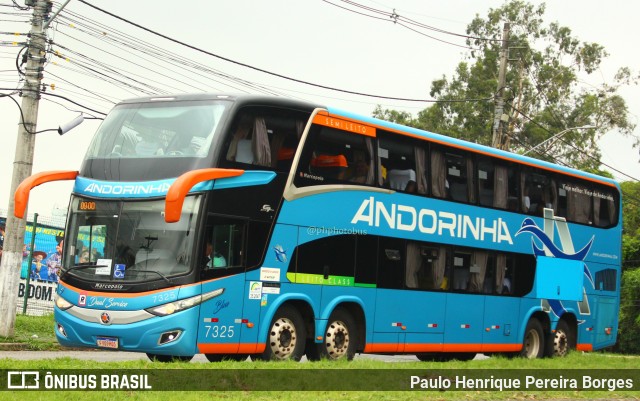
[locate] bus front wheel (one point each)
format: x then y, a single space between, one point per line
339 337
533 342
286 337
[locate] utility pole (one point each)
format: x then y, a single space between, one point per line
499 118
22 165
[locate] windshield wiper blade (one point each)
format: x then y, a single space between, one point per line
153 271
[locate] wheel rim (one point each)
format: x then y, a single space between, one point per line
532 344
283 338
560 343
337 340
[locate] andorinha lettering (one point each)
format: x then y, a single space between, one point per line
427 221
128 189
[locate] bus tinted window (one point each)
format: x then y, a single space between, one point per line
366 259
328 256
391 257
334 156
402 164
157 130
265 137
538 192
496 184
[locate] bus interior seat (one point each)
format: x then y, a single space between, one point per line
399 179
486 197
458 192
329 166
244 153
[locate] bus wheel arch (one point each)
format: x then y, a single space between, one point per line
342 337
287 334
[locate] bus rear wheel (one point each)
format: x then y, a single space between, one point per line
533 342
563 340
168 358
339 337
225 357
286 337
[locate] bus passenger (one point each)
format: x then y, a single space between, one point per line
213 262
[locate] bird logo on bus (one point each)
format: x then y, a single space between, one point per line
549 248
281 254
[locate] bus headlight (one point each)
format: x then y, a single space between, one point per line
61 303
183 304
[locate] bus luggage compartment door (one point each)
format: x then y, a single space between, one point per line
558 279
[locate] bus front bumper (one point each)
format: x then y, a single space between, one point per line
135 331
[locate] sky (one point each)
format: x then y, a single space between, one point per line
313 40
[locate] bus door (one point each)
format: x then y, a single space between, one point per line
222 267
501 308
465 303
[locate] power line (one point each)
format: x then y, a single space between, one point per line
274 73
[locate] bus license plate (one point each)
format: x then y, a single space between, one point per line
107 342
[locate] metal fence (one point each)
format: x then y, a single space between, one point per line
41 259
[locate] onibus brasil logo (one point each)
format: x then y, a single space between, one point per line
550 249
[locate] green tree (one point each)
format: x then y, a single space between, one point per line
542 92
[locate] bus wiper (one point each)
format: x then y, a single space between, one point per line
79 266
153 271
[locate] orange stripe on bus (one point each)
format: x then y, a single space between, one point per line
344 124
241 348
584 347
419 348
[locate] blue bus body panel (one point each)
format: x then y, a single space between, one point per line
140 336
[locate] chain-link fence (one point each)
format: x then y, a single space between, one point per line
41 262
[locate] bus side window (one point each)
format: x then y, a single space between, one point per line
425 268
250 142
404 162
460 177
392 263
461 270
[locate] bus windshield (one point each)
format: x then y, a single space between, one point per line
158 130
114 241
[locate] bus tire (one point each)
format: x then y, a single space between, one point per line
225 357
562 341
533 340
168 358
286 337
339 337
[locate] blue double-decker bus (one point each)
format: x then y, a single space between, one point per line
238 226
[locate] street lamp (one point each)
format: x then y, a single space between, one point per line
558 135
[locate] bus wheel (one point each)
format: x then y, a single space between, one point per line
533 343
286 338
339 337
562 340
225 357
168 358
